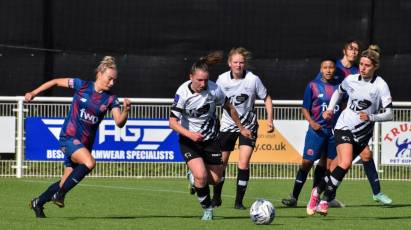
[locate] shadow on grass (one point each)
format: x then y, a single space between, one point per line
358 218
355 206
216 218
379 205
151 216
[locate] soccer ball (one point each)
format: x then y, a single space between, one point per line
262 212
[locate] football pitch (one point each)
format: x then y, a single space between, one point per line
166 204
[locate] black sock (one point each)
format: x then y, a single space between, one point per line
319 173
203 195
323 182
79 172
46 195
299 182
334 181
242 182
219 187
372 175
334 194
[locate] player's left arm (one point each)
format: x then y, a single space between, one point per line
268 102
262 93
120 117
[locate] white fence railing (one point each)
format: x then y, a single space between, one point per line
160 108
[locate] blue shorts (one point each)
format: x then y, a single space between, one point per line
318 143
68 146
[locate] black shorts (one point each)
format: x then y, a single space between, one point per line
346 137
228 139
209 150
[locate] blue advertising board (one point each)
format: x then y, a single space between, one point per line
138 141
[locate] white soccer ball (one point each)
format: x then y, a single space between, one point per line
262 212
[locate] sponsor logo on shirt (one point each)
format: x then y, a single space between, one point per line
238 100
357 105
88 117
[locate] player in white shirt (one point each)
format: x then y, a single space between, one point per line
367 93
242 88
193 116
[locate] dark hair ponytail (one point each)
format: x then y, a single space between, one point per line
205 62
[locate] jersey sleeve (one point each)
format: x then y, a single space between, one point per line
261 91
343 86
178 105
115 103
219 81
386 99
308 94
75 83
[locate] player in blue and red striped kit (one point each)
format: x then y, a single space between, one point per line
319 139
91 101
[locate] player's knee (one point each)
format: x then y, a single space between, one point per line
243 165
214 180
345 164
306 165
200 181
90 164
367 156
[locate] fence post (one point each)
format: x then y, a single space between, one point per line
376 146
19 152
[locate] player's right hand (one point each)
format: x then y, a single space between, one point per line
327 115
314 125
246 133
196 136
28 97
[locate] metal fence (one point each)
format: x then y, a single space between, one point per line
160 108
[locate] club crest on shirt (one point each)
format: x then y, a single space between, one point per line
103 108
76 142
373 94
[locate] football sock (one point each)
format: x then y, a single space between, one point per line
46 195
334 181
219 187
299 182
372 175
242 181
203 195
319 173
79 172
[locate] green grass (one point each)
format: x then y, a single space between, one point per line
166 204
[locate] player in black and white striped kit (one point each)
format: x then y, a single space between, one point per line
193 116
368 93
242 88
